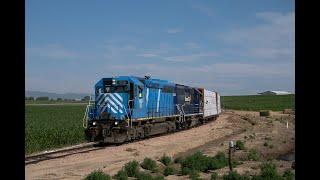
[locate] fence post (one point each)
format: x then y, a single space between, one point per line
231 146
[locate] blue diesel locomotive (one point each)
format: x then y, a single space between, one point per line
126 108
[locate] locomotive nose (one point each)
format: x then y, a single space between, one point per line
112 106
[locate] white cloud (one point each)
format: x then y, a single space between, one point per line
250 70
273 38
113 50
272 53
192 45
203 9
191 57
52 51
148 55
174 30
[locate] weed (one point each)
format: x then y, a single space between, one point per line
132 168
185 170
144 176
158 178
166 160
214 176
235 163
178 160
121 175
235 176
169 170
268 171
240 145
98 175
194 175
270 158
288 175
149 164
200 162
253 155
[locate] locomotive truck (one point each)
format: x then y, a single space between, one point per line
127 108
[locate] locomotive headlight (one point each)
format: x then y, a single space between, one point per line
113 81
116 123
94 123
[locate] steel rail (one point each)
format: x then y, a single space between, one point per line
46 154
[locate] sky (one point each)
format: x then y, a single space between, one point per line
233 47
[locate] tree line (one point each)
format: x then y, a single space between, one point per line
45 98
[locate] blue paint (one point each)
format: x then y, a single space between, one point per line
151 98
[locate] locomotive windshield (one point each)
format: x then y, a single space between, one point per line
113 86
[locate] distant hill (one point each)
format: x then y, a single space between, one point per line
55 95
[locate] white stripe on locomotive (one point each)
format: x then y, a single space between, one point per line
158 101
115 100
118 96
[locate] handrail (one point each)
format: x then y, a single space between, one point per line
85 117
130 118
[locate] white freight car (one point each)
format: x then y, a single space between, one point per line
211 104
218 102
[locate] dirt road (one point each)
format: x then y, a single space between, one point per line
208 137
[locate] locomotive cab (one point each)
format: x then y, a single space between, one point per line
114 103
112 97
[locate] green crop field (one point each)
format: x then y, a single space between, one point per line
53 102
53 126
258 102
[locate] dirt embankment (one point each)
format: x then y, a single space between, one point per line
210 138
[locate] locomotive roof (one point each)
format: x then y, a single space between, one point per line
149 82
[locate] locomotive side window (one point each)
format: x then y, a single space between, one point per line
140 92
168 89
122 83
120 86
119 89
98 91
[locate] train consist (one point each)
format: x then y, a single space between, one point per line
126 108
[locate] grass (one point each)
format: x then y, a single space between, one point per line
259 102
49 127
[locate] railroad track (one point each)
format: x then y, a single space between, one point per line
63 152
83 148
